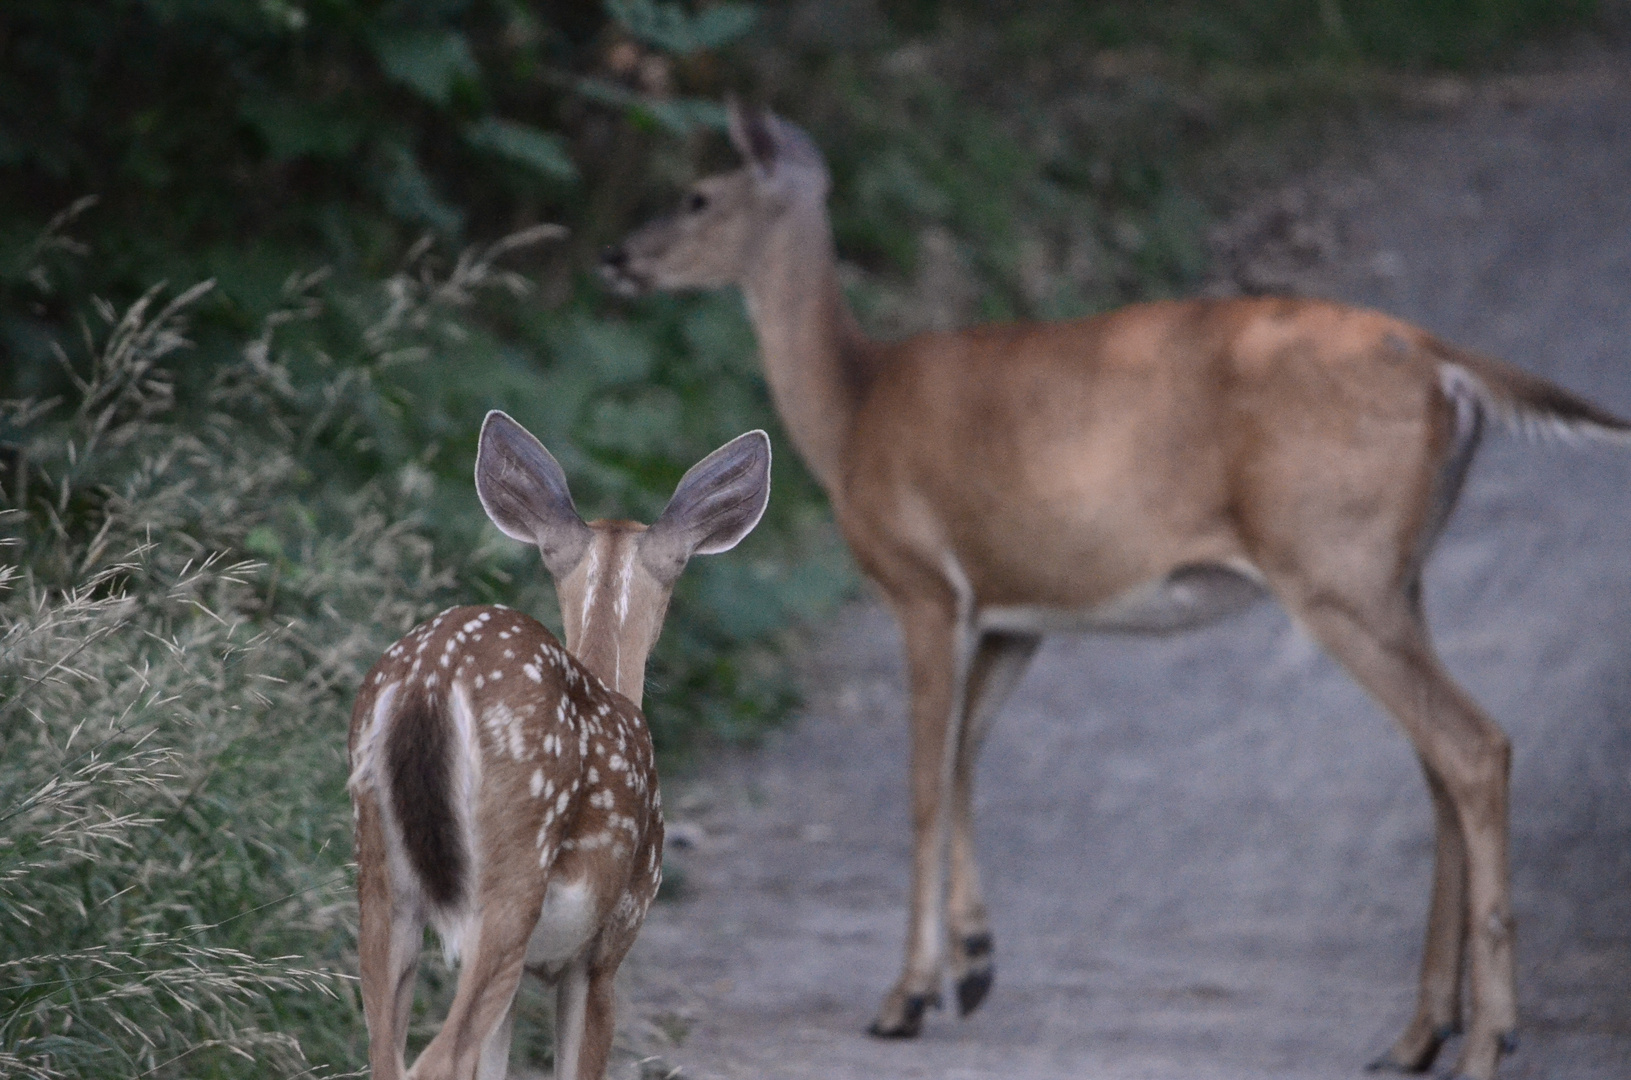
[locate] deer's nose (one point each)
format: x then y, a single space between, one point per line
614 258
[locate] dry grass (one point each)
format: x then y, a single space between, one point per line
184 614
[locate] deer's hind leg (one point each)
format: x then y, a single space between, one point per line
1381 641
390 932
586 1016
1438 1004
999 661
473 1038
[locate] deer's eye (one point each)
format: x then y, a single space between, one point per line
695 202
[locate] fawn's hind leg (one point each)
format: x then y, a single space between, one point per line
390 932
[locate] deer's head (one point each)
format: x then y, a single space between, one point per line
614 578
724 222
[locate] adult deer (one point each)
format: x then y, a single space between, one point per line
503 786
1145 470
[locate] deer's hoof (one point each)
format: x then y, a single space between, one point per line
1419 1062
979 972
1480 1066
902 1015
1388 1064
972 988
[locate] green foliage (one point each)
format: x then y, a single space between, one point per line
1276 33
191 591
669 27
172 826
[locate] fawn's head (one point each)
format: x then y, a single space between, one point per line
724 222
614 578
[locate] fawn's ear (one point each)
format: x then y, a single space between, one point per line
718 501
524 492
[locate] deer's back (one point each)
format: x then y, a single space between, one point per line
1075 459
497 755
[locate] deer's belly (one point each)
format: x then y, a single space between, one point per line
1188 597
568 919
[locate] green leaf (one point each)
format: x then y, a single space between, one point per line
542 151
410 195
618 354
723 23
431 62
677 116
293 129
668 27
263 541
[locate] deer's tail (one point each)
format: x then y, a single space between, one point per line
422 774
1523 402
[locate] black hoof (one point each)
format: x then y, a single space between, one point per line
1506 1043
972 988
976 982
911 1019
1388 1063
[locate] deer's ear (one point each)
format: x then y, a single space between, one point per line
523 490
718 502
752 135
780 155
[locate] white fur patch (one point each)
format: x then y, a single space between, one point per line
568 919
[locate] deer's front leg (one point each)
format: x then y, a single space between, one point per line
999 661
938 645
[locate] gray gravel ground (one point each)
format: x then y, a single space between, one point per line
1209 855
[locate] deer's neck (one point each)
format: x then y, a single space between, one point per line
606 614
603 655
817 361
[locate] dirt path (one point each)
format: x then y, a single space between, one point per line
1208 856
